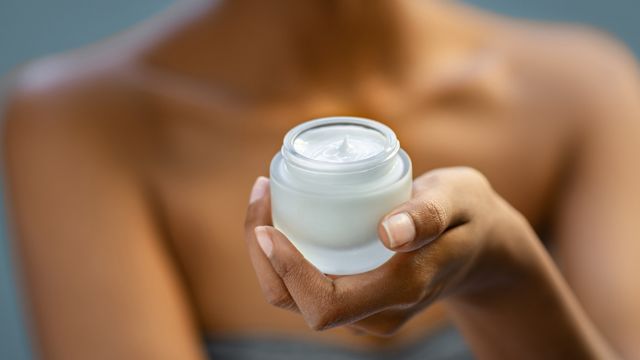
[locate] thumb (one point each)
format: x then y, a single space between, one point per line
443 199
414 224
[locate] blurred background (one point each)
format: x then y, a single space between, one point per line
32 28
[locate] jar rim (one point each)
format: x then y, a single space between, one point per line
295 158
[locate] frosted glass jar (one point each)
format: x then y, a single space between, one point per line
331 184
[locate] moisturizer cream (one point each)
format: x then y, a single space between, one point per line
331 184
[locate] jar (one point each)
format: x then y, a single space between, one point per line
331 184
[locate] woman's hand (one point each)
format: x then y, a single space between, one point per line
455 236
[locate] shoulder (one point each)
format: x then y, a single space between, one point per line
76 98
585 48
606 72
73 82
597 81
575 67
584 68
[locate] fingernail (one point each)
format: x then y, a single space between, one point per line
259 189
400 229
264 240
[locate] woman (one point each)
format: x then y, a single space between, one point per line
128 167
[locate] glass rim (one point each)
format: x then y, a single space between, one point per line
295 158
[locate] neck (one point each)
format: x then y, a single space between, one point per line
269 44
345 38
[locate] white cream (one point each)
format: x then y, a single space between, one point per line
339 143
331 184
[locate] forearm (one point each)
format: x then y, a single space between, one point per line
528 313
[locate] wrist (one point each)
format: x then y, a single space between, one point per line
515 285
511 258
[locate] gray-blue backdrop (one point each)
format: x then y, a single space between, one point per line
31 28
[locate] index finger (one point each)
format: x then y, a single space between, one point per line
259 214
327 302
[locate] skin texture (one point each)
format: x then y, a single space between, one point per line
129 163
470 249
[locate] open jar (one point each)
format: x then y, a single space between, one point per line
331 184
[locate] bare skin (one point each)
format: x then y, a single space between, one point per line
129 164
462 244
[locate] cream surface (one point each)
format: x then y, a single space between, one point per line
340 143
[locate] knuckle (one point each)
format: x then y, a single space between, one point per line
278 298
436 215
320 322
474 176
428 180
324 317
289 270
430 217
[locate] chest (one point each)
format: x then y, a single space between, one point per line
209 160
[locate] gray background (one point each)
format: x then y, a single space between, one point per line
31 28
